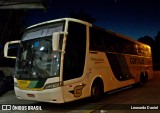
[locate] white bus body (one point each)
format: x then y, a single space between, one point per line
68 59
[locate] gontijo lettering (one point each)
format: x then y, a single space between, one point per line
137 60
97 59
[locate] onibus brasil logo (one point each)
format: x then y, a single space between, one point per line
20 107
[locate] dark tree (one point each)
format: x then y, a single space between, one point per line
11 28
147 40
157 51
155 47
11 25
157 38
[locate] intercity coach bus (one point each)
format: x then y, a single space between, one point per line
68 59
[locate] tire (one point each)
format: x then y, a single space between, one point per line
96 92
146 76
142 79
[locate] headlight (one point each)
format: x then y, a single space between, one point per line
52 85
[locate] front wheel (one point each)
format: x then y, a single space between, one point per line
96 92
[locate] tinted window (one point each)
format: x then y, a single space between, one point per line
101 40
74 57
96 39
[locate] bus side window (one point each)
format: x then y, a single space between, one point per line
141 50
148 53
134 48
110 43
96 40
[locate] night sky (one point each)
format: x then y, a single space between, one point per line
134 18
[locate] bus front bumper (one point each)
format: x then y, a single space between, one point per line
50 95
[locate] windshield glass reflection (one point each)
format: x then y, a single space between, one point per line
37 60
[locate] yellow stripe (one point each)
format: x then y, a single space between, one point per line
22 84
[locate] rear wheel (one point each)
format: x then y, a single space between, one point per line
146 76
142 79
96 92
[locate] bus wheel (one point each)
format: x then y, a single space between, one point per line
142 79
96 92
146 76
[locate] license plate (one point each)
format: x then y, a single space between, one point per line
31 95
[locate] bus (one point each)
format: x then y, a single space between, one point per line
68 59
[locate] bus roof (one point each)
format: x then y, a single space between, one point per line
62 19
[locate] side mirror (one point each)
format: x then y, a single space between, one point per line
6 47
57 40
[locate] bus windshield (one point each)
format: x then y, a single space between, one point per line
36 58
